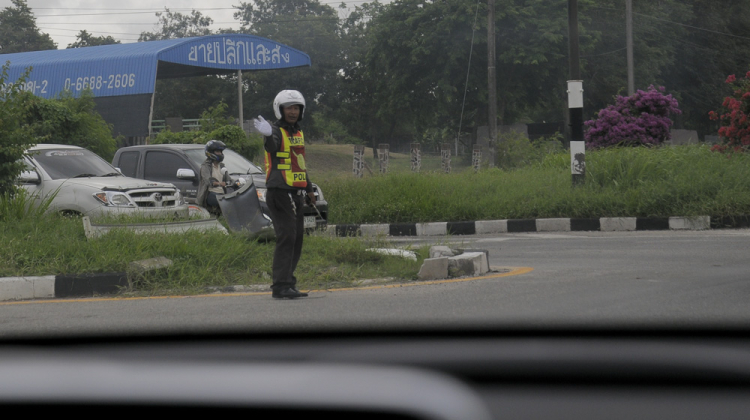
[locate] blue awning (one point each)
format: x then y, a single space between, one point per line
132 69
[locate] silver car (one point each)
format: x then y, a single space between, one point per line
83 183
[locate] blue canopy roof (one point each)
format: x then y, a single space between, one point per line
132 69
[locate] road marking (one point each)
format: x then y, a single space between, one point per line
514 271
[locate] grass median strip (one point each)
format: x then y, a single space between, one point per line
51 245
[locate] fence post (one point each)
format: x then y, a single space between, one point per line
359 160
416 157
476 157
383 156
445 153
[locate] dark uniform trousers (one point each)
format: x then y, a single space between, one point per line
289 226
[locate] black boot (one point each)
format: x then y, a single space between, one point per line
288 293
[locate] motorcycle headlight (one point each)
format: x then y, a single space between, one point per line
112 198
262 195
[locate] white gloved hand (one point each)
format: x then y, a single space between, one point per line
262 126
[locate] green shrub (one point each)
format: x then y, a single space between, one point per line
15 136
73 121
331 130
167 136
215 126
515 150
236 139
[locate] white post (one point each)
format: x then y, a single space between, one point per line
577 145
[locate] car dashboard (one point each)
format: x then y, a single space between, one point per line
407 374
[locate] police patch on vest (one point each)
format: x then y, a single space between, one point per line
299 176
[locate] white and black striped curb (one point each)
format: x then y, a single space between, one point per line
603 224
61 286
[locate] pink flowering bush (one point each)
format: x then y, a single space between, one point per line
734 133
640 119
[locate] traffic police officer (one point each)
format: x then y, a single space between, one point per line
287 185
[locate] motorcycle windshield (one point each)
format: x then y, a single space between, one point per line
242 211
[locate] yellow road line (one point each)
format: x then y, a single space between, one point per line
514 272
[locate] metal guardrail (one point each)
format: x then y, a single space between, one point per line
187 125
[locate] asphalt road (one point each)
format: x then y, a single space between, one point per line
660 278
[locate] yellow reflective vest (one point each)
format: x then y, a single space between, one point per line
288 161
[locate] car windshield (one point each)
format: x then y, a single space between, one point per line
448 163
72 163
234 162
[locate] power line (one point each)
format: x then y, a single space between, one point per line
694 27
79 30
674 23
181 8
121 23
605 53
133 9
468 69
102 14
140 10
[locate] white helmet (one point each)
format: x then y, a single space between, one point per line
287 98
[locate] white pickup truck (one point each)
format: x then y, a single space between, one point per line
86 184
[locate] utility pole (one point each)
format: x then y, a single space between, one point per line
239 99
491 81
629 44
575 99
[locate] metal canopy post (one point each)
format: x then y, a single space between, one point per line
239 99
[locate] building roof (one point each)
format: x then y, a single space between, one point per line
132 69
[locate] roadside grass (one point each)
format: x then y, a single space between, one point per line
628 182
23 204
53 244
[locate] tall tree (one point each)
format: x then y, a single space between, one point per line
18 30
355 102
655 46
187 97
308 26
716 43
176 25
419 54
687 47
85 39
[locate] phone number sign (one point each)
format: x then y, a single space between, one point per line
98 83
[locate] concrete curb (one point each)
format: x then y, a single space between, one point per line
61 286
603 224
